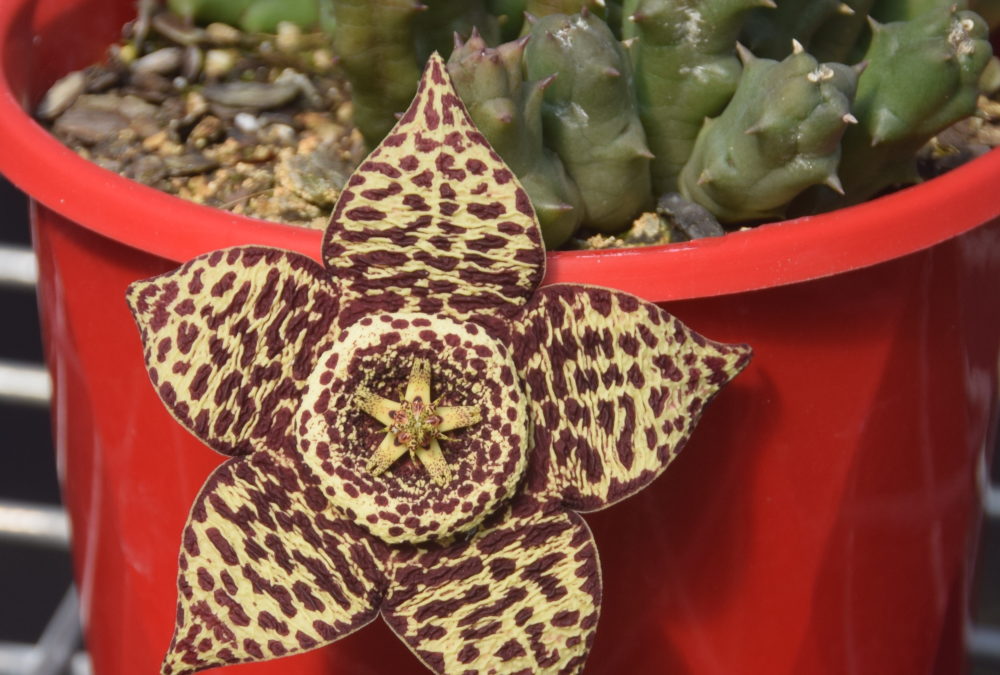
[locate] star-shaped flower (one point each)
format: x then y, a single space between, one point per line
416 424
343 499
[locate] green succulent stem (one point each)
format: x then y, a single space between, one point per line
686 70
590 116
922 76
779 135
375 43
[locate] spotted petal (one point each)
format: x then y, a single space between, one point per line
267 569
522 595
616 387
434 221
230 338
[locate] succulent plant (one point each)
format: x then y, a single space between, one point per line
779 135
828 29
922 76
375 43
508 111
590 115
599 129
413 426
686 70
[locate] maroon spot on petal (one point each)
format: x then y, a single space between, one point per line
480 632
222 545
510 228
430 632
468 654
365 213
325 630
252 647
380 167
306 641
185 307
523 203
501 568
502 176
199 383
511 649
435 72
433 659
267 621
425 144
223 285
416 202
487 211
454 140
409 163
566 618
423 179
523 615
378 194
205 580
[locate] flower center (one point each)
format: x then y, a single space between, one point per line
415 424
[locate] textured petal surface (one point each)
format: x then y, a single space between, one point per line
268 569
616 386
433 221
230 338
521 596
338 439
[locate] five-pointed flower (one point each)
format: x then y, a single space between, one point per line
350 491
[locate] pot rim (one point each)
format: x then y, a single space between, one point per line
770 255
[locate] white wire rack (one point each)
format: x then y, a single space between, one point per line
43 525
29 524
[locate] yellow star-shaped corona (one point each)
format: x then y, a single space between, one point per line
415 424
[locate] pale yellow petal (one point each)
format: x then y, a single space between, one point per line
458 416
387 453
378 407
418 388
433 460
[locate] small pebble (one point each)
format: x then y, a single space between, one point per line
90 125
255 95
289 38
223 35
219 62
147 170
246 123
317 177
188 164
191 63
162 61
208 130
177 30
61 95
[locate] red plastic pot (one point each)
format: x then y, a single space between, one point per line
821 521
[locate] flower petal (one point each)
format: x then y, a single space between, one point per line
616 386
522 595
434 221
267 569
230 338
